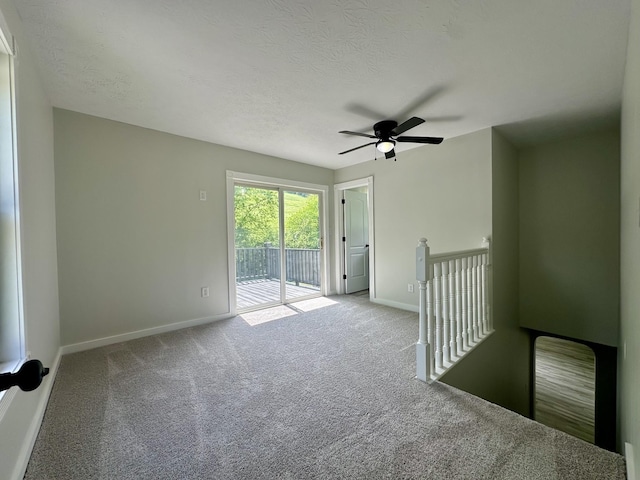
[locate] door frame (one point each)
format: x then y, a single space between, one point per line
338 190
273 182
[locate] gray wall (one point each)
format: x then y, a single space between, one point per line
441 192
39 268
135 243
498 370
569 237
630 243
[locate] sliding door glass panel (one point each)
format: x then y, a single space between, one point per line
302 244
257 244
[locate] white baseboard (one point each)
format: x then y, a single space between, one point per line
20 466
123 337
399 305
629 456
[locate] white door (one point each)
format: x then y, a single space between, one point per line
356 241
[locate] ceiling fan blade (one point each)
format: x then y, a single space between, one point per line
390 154
444 118
361 146
346 132
364 111
421 100
403 127
432 140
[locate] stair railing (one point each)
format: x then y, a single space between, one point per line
455 313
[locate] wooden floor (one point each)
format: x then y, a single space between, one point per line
259 292
565 387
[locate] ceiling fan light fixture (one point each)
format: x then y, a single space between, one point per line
385 146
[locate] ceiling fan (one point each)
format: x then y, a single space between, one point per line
386 136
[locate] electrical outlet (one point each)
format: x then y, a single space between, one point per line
204 292
410 288
203 195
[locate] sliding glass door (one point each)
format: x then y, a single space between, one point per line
277 245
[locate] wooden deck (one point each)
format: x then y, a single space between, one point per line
259 292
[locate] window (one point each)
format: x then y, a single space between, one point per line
12 350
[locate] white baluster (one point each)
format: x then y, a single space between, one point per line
485 293
430 327
479 295
446 329
460 336
437 291
453 342
465 305
478 275
486 243
474 283
469 300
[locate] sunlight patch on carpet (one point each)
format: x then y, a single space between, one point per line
313 304
267 315
258 317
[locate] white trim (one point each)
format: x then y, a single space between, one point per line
630 461
5 401
339 233
20 466
231 242
124 337
361 182
6 39
13 65
11 142
399 305
277 182
264 181
282 254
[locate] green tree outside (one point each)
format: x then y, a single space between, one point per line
256 212
302 229
256 215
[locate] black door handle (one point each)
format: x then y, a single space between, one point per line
28 378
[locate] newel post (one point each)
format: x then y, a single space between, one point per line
423 275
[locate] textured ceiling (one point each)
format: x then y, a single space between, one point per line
282 77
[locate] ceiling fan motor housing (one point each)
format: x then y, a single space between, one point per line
384 128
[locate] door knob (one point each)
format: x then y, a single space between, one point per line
28 378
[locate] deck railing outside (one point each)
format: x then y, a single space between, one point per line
454 307
263 263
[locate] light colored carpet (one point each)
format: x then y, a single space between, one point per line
323 393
